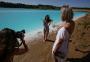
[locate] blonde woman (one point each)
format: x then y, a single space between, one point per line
60 47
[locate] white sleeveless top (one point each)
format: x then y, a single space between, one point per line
62 34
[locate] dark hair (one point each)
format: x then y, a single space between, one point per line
67 14
47 19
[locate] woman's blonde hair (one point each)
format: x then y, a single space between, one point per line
67 14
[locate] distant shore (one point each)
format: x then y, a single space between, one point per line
83 10
40 6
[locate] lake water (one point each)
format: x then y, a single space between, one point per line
28 19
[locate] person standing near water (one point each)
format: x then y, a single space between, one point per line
46 23
60 47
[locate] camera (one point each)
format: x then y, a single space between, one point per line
20 34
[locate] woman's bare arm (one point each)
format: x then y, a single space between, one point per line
24 44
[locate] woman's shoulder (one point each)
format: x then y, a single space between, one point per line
62 29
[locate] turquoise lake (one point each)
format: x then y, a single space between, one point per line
28 19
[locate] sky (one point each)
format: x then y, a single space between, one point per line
72 3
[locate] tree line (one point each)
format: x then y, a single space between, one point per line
20 5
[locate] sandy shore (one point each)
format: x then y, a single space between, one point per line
40 51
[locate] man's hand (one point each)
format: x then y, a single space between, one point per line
54 51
